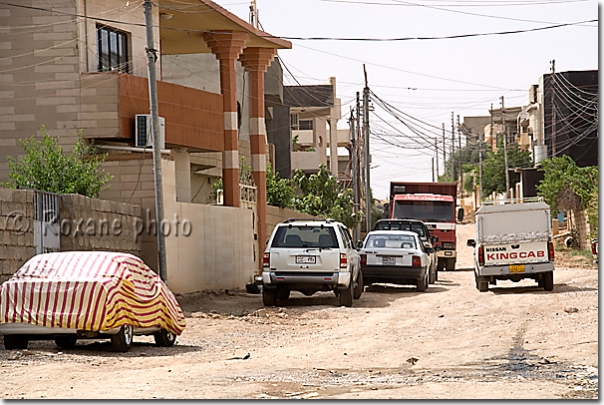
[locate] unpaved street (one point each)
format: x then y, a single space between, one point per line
515 341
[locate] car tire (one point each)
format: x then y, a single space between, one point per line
15 342
358 290
283 293
451 264
431 277
122 340
548 281
163 338
422 284
435 274
269 297
66 342
346 295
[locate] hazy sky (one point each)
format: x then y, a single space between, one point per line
426 79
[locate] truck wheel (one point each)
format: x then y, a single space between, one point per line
483 286
440 264
548 281
269 297
451 264
283 293
358 290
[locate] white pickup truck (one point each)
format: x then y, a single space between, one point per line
513 242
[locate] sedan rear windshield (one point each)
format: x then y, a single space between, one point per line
391 241
402 226
303 236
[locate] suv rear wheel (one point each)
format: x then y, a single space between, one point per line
346 296
269 297
358 290
283 293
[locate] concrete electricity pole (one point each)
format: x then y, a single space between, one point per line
453 146
480 136
159 194
355 189
367 154
505 150
359 146
444 152
553 109
436 154
460 158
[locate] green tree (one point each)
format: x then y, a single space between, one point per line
279 192
321 196
45 167
493 168
566 186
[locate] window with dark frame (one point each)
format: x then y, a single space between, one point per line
112 50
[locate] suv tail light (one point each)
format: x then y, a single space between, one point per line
343 261
363 259
550 247
266 260
416 261
481 255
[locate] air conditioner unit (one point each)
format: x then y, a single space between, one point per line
143 135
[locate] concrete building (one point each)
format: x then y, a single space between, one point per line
82 65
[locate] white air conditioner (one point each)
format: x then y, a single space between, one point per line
143 135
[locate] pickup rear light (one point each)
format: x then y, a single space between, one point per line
416 261
363 259
594 247
550 249
266 260
481 255
343 261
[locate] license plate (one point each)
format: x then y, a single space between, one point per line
516 268
390 260
306 259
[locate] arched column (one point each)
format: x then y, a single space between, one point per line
227 46
256 61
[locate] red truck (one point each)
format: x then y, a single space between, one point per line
436 205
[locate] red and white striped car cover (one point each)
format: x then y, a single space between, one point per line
93 291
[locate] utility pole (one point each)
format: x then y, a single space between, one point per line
436 154
254 14
153 109
480 135
432 170
553 108
491 129
453 146
355 189
444 152
505 150
367 154
360 143
460 158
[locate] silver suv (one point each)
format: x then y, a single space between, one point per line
310 255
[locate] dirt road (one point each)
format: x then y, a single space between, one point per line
514 342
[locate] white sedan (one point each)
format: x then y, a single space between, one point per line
397 257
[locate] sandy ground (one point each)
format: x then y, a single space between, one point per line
452 342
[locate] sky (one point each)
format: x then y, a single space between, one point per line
426 80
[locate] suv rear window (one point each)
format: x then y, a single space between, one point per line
302 236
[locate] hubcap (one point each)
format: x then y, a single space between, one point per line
128 333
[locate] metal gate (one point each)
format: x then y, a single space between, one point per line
47 229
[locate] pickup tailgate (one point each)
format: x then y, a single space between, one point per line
515 253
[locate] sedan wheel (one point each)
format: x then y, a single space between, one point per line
15 342
358 290
422 284
122 341
163 338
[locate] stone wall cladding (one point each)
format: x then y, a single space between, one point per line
101 225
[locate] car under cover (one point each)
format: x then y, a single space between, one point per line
92 291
